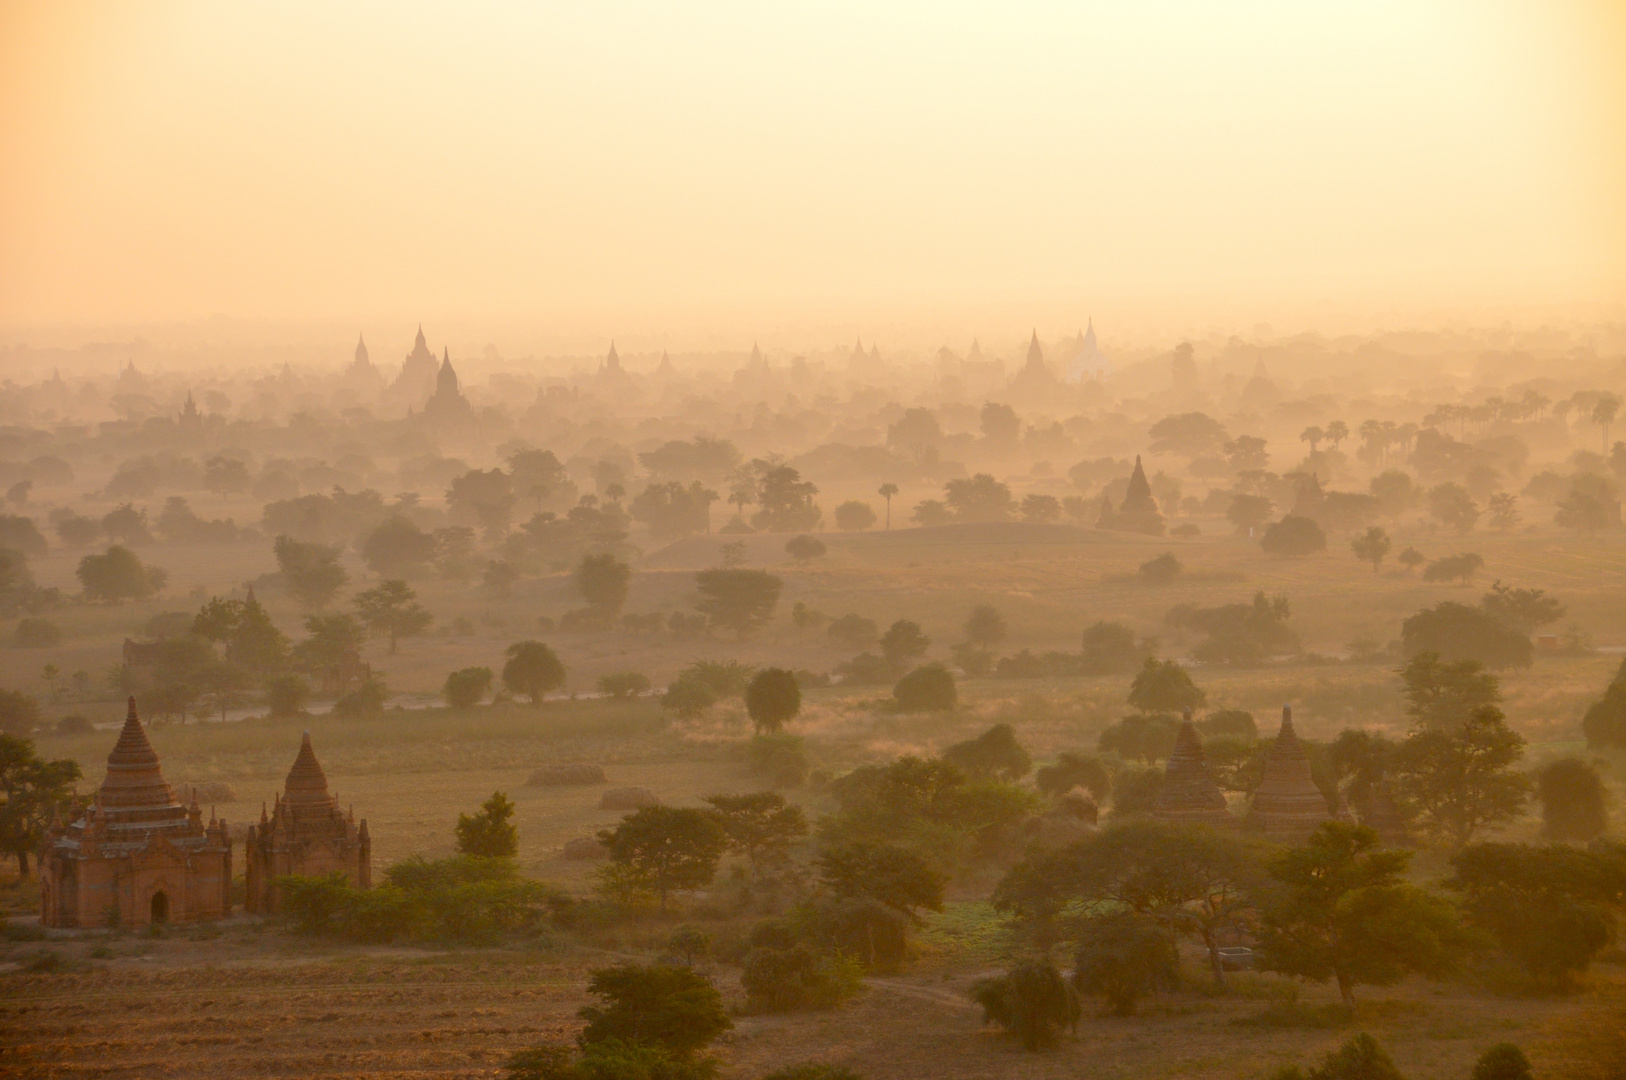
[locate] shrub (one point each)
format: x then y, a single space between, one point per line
1231 722
1454 568
622 685
688 698
779 757
464 689
1161 570
1109 648
873 933
660 1005
772 698
490 833
854 516
1164 686
1574 801
928 688
1123 958
1460 632
1135 791
364 702
788 979
1073 770
34 633
1504 1061
1605 721
1294 536
994 754
286 695
813 1071
854 631
1141 738
865 669
461 899
1031 1001
804 548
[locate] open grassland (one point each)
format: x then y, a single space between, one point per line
243 1001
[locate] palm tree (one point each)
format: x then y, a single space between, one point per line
1603 414
886 492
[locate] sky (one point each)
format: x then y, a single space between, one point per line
703 169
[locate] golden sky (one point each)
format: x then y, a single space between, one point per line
687 166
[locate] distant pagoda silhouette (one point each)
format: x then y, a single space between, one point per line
1189 795
419 371
1287 804
1138 512
447 402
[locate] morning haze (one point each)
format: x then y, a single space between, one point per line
812 542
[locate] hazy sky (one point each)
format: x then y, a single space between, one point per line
689 166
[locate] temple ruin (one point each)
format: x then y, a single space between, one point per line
306 834
1287 804
1189 795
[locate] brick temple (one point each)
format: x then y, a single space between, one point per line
305 833
1190 796
137 856
1287 805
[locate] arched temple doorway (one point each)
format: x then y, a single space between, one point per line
160 907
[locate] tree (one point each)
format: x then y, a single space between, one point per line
1141 738
853 631
931 512
225 476
1190 434
1574 801
1109 648
786 501
1411 559
672 510
1589 506
118 575
804 548
1549 907
1162 570
995 754
1074 770
885 873
1522 610
536 474
1249 512
287 695
332 640
1603 414
886 491
903 642
1459 632
1246 453
125 524
760 826
1294 536
999 423
602 580
1461 567
365 702
1504 1061
985 626
1452 506
663 848
532 669
490 833
1040 509
1605 721
854 516
311 572
1442 694
251 639
772 698
1360 1058
978 498
34 791
658 1005
463 689
397 548
1456 781
1031 1001
622 685
928 688
488 497
391 607
1504 511
19 713
1123 958
917 432
1164 686
736 599
1346 913
1371 546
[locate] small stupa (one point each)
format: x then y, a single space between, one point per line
1287 803
1189 795
1138 512
307 834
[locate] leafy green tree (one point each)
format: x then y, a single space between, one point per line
251 639
1574 801
1456 781
1605 721
602 580
903 642
1504 1061
1164 686
287 695
607 1059
486 496
665 848
464 688
311 572
891 875
854 516
19 712
34 789
1293 536
1443 694
532 669
1372 546
391 607
397 548
1452 506
1522 610
1249 512
1548 907
737 599
1141 738
672 510
1459 632
1074 770
365 702
688 698
491 833
772 698
1411 559
853 631
1123 958
1589 506
995 754
805 548
118 575
656 1005
1345 912
1031 1001
786 501
332 639
979 498
1459 567
985 627
761 826
928 688
1109 648
886 491
1360 1058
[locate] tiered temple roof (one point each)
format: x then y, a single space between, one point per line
305 833
1287 802
1189 795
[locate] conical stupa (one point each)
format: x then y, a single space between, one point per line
1287 803
1138 512
1189 795
307 834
